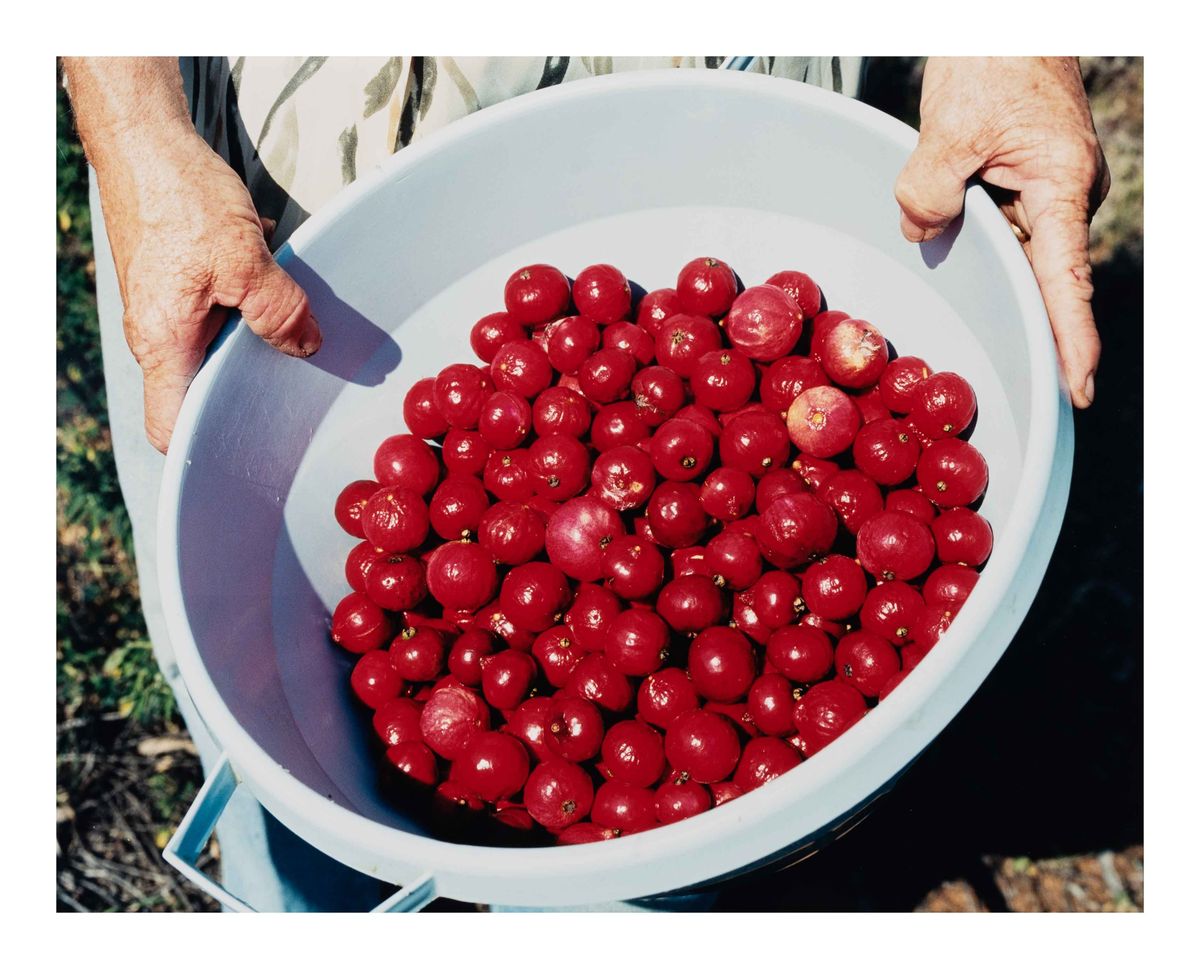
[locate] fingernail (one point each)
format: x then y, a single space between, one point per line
1089 387
310 343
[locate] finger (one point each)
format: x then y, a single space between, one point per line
930 188
268 227
276 308
167 372
1058 250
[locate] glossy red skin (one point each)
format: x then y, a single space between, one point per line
664 695
769 703
656 307
737 713
893 545
418 654
624 808
892 610
396 582
658 393
690 604
801 653
457 506
374 680
689 561
537 293
703 744
359 563
455 808
755 442
397 721
351 501
823 421
507 677
395 519
465 452
632 340
800 287
528 723
421 413
706 286
590 615
962 536
948 586
491 619
724 791
459 392
604 376
509 475
450 718
853 353
559 410
512 533
358 625
899 381
721 664
814 472
493 766
584 832
776 599
637 642
824 713
623 478
866 661
952 473
764 323
681 450
943 405
787 378
633 753
601 293
922 438
702 416
491 332
885 452
505 420
932 625
870 405
522 368
834 587
461 575
570 341
557 654
465 661
633 567
675 514
775 484
683 340
911 502
577 535
727 494
617 424
822 322
534 594
723 380
794 529
596 679
894 682
733 556
560 466
763 760
558 793
679 800
574 728
416 761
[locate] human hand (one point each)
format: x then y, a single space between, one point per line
1024 126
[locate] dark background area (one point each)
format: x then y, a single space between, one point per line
1031 800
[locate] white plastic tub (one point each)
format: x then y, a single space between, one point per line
645 171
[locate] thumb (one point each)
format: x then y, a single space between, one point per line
277 309
931 186
1058 250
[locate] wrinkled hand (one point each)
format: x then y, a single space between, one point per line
1024 126
188 247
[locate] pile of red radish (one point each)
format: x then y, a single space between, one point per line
658 551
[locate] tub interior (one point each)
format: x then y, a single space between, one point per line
644 179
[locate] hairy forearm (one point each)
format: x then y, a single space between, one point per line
126 107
